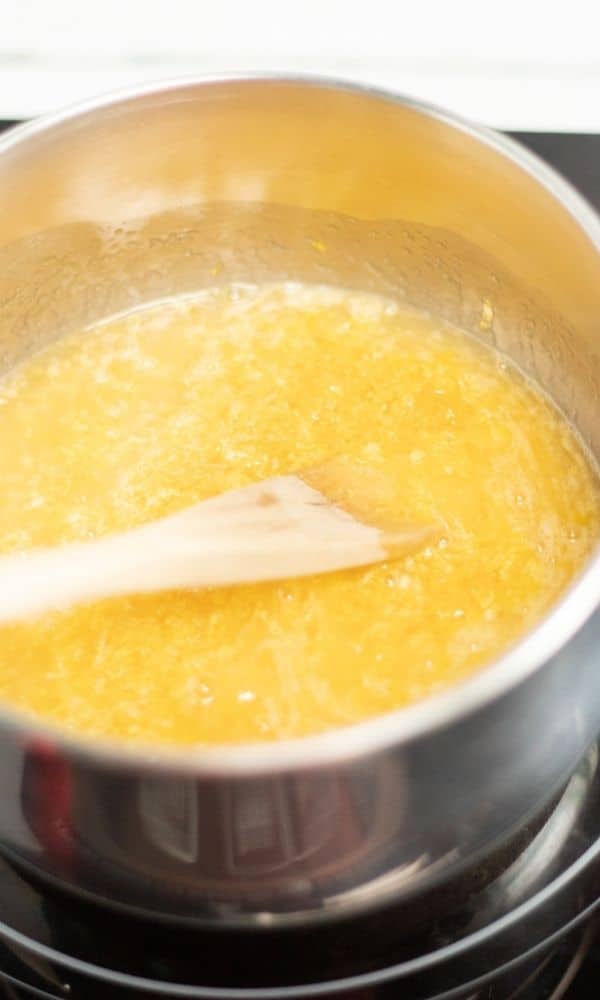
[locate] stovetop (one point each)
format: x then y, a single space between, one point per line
569 971
496 927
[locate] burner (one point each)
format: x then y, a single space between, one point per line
507 930
547 977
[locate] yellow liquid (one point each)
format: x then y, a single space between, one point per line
155 410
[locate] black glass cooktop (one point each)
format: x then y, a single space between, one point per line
575 156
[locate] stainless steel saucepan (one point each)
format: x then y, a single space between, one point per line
167 189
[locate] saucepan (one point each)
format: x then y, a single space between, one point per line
166 189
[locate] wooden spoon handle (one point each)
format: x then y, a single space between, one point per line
144 562
277 529
47 579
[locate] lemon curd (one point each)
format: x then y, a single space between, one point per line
154 410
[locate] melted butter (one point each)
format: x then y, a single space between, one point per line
152 411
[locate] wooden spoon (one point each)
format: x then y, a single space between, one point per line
278 528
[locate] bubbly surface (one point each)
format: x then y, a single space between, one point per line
152 411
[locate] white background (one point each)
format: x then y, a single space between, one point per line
509 63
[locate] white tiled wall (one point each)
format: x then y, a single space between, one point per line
511 63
